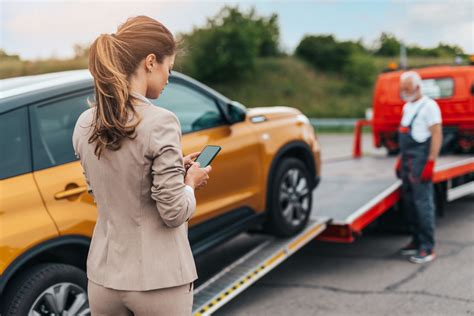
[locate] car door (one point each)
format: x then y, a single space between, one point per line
235 178
57 171
23 217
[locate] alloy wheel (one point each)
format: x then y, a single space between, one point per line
294 196
61 299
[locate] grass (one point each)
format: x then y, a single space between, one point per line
286 81
10 67
289 81
292 82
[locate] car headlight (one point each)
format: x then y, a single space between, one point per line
303 118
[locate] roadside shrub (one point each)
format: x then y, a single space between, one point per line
360 72
323 52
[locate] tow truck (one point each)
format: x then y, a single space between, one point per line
370 189
452 86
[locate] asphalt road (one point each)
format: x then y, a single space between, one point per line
367 277
337 146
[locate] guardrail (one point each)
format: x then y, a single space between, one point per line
333 122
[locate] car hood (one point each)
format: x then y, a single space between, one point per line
273 112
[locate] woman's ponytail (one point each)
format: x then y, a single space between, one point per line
112 59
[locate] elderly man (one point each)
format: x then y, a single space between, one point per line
420 137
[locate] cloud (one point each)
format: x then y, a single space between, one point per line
427 23
36 29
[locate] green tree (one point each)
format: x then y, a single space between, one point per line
443 50
325 53
389 45
268 33
228 46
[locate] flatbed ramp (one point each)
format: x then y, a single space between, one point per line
245 271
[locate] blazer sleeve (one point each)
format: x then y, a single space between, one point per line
174 203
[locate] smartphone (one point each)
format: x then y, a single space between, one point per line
207 155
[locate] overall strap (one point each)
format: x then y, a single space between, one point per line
416 114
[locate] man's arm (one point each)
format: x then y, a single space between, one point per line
436 140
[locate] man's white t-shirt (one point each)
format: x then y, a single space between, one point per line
429 115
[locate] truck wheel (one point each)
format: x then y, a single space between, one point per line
440 197
290 198
393 152
48 289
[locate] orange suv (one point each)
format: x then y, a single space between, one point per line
263 178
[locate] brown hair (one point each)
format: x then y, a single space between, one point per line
113 58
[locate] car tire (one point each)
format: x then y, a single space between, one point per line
289 198
42 283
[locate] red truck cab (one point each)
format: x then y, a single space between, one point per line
453 89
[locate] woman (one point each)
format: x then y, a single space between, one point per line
139 260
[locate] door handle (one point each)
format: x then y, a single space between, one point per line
70 192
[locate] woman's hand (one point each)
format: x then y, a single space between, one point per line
189 159
197 177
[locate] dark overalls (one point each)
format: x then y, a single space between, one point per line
417 194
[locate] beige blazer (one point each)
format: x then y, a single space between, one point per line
140 241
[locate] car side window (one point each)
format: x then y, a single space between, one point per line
195 110
52 125
15 158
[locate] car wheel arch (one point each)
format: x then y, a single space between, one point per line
73 248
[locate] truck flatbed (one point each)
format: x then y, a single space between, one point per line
352 194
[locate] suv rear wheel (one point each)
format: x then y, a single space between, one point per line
48 289
290 198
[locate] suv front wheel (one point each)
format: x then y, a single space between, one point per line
290 198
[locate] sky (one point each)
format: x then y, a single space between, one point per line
41 29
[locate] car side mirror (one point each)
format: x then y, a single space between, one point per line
472 89
237 112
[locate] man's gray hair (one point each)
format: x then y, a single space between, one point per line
414 76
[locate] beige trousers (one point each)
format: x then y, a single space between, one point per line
176 300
